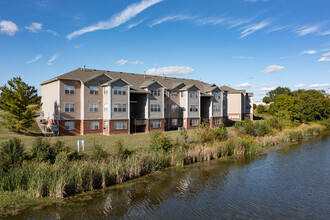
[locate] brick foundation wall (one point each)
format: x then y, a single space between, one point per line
149 129
187 124
212 122
87 129
62 131
121 131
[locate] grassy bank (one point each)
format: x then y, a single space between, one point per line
67 172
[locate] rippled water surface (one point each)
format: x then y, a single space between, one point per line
290 182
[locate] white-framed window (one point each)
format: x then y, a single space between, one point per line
155 107
174 108
155 124
174 122
216 95
216 108
216 121
120 125
193 122
93 90
69 89
69 107
105 124
182 94
93 107
93 125
194 108
182 109
105 107
106 90
69 125
193 94
174 94
119 90
119 107
155 92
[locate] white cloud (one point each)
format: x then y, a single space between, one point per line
34 27
235 23
54 33
170 18
136 62
210 21
244 57
324 33
309 52
300 86
8 27
326 54
122 62
134 24
278 28
317 85
250 29
267 89
116 20
308 29
52 59
170 70
243 85
274 69
35 59
324 59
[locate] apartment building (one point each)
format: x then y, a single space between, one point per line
238 104
87 101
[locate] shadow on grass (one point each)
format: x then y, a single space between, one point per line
255 117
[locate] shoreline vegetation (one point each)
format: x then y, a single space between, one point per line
52 169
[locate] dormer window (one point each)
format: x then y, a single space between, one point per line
174 94
155 92
216 95
93 90
119 90
69 90
193 94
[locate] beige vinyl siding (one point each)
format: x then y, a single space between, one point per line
70 99
119 99
49 99
234 103
156 100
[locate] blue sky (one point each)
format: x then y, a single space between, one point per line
247 44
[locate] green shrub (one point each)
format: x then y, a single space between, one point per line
11 154
262 129
184 136
98 153
248 126
42 150
120 149
274 123
221 133
160 141
205 133
261 109
295 135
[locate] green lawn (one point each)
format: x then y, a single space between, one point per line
132 142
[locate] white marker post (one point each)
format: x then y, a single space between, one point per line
81 143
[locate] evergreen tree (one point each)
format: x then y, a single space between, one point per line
20 103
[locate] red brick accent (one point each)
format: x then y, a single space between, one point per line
149 129
122 131
212 122
187 124
76 131
97 131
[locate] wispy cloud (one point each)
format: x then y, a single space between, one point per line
35 27
326 54
210 21
116 20
243 85
266 89
77 46
54 33
38 57
274 69
134 24
319 85
309 52
244 57
324 59
250 29
170 18
278 28
324 33
136 62
307 29
121 62
300 86
52 59
170 70
8 27
238 22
